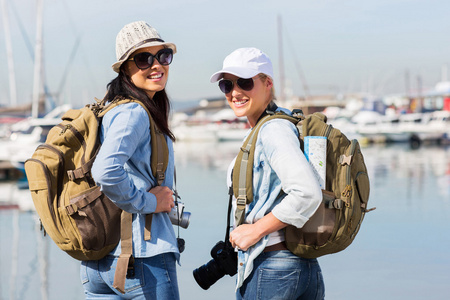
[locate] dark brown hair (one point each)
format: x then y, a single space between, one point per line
159 107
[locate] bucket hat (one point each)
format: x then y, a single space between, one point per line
245 63
135 36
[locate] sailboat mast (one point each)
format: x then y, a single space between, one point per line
280 60
9 55
37 60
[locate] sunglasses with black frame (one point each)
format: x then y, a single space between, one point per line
145 60
246 84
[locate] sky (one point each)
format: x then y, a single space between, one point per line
328 46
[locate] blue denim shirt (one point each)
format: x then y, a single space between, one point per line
123 171
279 165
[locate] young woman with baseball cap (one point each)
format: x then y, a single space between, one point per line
282 194
123 170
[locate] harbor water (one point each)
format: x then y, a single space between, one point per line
401 252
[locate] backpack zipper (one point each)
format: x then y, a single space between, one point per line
328 131
352 153
348 188
64 128
347 192
78 135
80 138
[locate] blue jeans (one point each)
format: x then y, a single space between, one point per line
283 275
155 278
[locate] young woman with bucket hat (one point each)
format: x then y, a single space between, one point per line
123 169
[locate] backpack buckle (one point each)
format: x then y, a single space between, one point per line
71 209
160 176
241 201
245 150
298 113
75 174
336 204
70 175
344 159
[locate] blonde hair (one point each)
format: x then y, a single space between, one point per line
263 78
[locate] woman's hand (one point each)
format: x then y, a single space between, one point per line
164 198
246 235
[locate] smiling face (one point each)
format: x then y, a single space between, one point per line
151 80
250 104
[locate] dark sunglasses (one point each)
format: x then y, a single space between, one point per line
145 60
226 85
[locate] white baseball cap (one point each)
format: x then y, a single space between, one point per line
135 36
245 63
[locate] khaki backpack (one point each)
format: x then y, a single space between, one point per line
336 222
73 211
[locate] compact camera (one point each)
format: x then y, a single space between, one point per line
178 216
224 262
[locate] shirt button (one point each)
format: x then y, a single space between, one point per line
241 264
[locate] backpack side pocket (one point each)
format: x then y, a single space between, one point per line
40 186
97 220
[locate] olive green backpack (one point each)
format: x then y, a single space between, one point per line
336 222
73 211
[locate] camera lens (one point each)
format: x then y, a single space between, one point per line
184 222
208 274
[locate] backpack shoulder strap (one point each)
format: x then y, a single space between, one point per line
242 180
125 263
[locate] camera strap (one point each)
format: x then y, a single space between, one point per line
180 241
227 233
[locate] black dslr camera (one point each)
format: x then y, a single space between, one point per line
224 262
